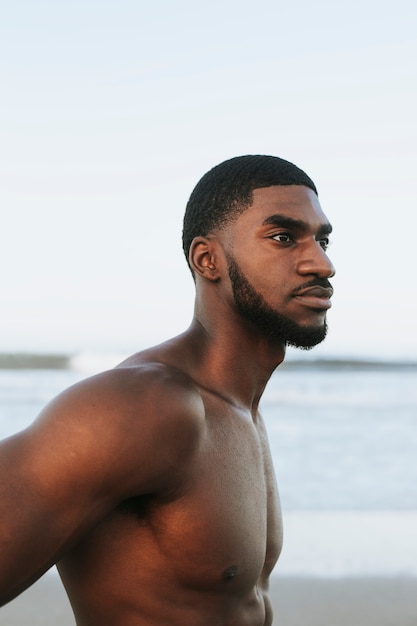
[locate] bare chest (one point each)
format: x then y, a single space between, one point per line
222 533
227 525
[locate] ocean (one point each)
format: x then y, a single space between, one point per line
343 437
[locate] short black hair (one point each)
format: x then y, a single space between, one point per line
226 191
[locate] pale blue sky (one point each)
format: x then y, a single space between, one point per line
111 112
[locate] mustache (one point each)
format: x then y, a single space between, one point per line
316 282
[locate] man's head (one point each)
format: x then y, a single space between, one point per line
256 231
226 191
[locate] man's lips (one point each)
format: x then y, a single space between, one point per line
314 295
319 292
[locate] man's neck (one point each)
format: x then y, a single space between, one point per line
231 360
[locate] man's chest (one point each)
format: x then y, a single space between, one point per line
227 524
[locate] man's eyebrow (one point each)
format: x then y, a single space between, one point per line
283 221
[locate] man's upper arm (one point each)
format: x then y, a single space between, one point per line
115 436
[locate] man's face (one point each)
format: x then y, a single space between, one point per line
278 266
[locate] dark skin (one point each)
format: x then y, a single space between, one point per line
151 486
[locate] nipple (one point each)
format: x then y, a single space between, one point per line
230 573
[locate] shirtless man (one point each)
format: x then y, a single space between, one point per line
151 485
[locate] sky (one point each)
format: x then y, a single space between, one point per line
110 112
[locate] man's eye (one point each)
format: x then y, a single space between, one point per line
283 237
324 242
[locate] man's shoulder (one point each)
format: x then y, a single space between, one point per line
145 415
157 387
136 396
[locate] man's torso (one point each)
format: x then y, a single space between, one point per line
200 555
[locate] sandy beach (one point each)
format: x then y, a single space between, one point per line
297 602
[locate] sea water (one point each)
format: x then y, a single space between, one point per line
344 445
344 442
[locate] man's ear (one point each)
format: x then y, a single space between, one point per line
203 258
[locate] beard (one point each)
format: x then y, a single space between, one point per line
270 324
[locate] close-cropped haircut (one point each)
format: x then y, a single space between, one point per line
226 191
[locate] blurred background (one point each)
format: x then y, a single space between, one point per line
110 113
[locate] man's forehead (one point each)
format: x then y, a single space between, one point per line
291 194
294 201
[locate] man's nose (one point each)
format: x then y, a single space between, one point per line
315 261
